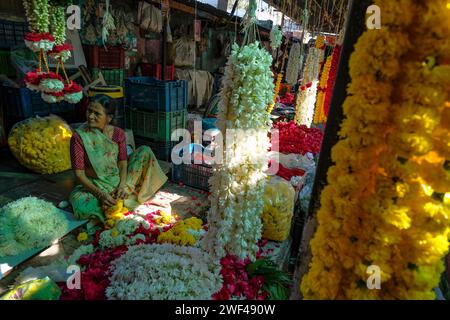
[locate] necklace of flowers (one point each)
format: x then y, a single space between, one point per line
319 116
331 79
405 207
294 62
304 109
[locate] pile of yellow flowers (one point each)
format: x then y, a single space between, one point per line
279 198
164 218
319 116
387 201
115 213
181 234
42 144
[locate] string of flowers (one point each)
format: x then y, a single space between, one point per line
238 184
276 92
276 37
385 204
294 62
331 78
319 116
306 96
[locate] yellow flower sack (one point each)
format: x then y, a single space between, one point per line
279 198
42 144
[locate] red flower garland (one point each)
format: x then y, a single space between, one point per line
61 47
331 79
36 37
297 139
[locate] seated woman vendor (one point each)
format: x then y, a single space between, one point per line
99 159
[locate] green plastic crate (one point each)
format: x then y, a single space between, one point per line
154 125
113 77
6 66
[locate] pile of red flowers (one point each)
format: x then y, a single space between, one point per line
236 281
95 279
297 139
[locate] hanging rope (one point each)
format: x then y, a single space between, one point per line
250 24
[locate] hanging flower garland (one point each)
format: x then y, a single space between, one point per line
306 96
276 92
294 62
386 203
238 184
319 116
331 79
276 37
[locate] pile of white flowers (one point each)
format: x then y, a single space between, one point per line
164 272
306 99
294 62
238 184
29 223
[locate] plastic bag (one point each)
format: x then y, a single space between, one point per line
40 289
279 198
42 144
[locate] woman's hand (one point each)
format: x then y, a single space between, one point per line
120 192
107 200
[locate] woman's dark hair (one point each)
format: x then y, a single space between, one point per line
110 105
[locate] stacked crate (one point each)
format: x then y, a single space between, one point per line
154 109
110 61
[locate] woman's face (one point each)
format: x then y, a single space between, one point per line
96 116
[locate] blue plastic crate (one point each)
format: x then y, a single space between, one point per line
147 93
23 103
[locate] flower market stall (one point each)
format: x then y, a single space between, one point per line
199 153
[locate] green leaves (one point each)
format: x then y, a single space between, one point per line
276 281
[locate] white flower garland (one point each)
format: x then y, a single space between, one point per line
276 37
164 272
51 85
293 67
306 99
238 185
29 223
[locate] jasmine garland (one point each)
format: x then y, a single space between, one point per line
294 63
238 184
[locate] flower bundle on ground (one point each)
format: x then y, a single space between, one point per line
164 272
29 223
184 233
386 203
238 184
42 144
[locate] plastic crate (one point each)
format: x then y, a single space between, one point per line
155 71
23 103
154 125
98 57
150 94
6 66
162 150
113 77
12 33
193 175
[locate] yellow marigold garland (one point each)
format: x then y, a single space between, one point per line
276 92
387 199
319 116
